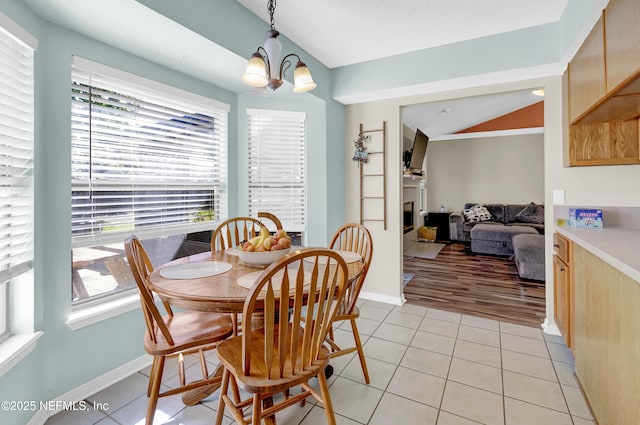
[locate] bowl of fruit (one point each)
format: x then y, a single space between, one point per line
264 249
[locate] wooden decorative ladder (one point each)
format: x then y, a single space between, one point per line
367 179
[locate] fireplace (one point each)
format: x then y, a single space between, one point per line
407 216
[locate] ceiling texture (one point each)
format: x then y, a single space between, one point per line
335 32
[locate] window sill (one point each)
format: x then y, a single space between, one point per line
90 315
16 348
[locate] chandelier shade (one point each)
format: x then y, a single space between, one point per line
264 68
255 74
302 79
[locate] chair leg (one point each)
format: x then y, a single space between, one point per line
223 390
235 391
363 363
326 399
257 410
151 375
155 389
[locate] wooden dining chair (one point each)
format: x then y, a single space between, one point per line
355 238
234 231
284 353
272 217
173 334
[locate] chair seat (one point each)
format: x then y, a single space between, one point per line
230 354
190 329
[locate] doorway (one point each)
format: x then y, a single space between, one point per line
468 160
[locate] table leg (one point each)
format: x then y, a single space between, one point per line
195 396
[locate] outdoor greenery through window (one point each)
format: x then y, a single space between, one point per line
277 169
16 173
146 159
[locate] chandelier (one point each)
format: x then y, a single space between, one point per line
265 69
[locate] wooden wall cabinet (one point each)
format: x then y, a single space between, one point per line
604 90
604 143
587 83
562 290
622 34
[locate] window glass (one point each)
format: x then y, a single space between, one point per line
277 172
145 159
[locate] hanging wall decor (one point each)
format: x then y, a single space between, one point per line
361 155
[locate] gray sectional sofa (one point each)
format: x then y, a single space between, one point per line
503 214
511 230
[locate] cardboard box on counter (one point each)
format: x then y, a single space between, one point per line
579 217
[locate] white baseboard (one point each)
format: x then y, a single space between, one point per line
94 386
550 328
387 299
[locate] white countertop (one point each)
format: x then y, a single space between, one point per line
616 246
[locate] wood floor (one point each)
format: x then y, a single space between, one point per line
480 285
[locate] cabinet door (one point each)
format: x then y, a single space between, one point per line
561 296
604 143
587 73
622 41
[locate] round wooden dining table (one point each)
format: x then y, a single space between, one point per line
220 292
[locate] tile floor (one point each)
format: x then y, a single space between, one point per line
427 367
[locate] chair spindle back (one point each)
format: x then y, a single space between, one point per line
355 238
234 231
141 268
311 277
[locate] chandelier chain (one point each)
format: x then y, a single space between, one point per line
271 8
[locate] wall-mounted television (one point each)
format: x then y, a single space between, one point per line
414 158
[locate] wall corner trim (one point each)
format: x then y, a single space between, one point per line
387 299
550 328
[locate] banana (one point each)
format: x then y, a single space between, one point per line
255 240
264 234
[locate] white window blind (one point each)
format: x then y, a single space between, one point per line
145 157
16 167
277 170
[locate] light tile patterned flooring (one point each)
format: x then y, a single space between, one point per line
427 367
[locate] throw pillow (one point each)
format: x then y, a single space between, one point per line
477 213
532 213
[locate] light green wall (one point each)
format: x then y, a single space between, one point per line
515 49
529 47
64 359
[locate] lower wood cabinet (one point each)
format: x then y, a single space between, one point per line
606 340
562 289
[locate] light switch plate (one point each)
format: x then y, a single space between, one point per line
558 197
